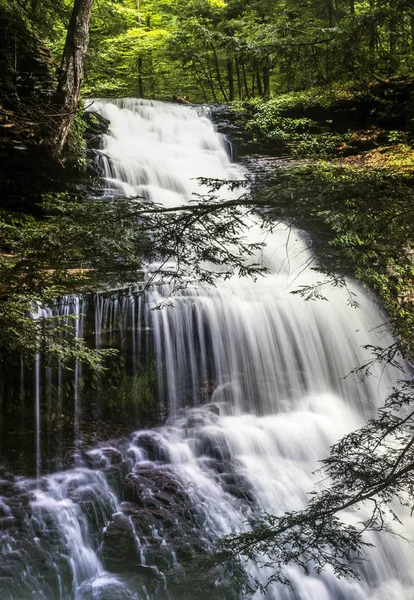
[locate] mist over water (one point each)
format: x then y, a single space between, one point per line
257 386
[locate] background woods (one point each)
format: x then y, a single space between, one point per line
216 51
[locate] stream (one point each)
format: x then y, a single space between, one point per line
254 387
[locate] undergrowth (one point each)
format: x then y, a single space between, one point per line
363 225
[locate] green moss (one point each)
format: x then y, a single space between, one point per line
329 122
76 143
134 396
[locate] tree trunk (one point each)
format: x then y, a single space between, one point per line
230 78
217 67
412 31
393 39
352 7
152 76
372 31
239 82
140 77
210 76
266 81
259 81
331 12
200 83
246 86
67 95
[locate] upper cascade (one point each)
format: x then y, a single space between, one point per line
158 151
266 347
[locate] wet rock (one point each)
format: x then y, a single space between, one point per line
128 508
241 491
113 462
115 475
159 514
213 408
214 445
96 505
195 420
6 522
119 551
33 562
6 476
96 126
113 455
154 446
216 457
150 572
106 588
100 458
227 123
155 486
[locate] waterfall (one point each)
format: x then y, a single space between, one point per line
263 347
257 385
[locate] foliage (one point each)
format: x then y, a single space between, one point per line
218 51
85 243
130 396
368 222
76 142
328 122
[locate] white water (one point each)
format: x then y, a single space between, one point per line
273 362
270 363
262 346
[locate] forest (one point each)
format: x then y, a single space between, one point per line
217 51
120 311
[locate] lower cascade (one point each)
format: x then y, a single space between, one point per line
256 383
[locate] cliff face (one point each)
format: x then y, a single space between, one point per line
27 84
27 80
27 76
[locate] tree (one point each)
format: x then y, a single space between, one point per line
67 96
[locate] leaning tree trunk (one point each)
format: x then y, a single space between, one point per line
67 95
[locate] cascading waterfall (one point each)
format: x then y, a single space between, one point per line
255 383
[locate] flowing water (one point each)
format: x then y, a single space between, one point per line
253 380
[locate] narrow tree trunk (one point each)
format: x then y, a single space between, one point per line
331 13
230 78
152 76
67 95
210 76
259 81
412 31
246 86
140 77
239 82
372 31
200 84
393 38
352 7
217 67
266 81
199 70
140 62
